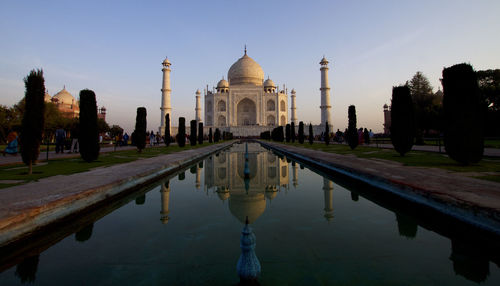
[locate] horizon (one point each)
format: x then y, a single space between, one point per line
118 51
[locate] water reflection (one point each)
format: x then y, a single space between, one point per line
165 198
328 192
85 233
26 270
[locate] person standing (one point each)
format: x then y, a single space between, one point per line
60 136
151 138
11 144
125 139
74 139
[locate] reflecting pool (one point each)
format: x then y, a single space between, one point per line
308 230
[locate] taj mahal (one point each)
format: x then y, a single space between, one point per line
246 104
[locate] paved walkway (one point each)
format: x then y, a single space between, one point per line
488 152
472 200
26 208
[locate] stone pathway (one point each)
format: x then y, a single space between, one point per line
473 200
26 208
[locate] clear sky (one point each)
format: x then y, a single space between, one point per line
116 48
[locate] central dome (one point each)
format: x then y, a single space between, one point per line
245 71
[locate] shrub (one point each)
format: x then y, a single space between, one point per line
193 133
217 135
352 132
140 132
311 135
210 135
402 120
287 133
277 134
200 133
33 118
463 114
301 132
88 139
167 129
265 135
181 133
366 135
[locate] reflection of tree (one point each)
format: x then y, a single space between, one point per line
182 176
192 170
468 261
140 200
85 233
26 270
407 226
200 165
354 196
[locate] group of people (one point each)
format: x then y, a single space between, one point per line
12 144
364 136
155 139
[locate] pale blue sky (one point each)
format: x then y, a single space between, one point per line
116 48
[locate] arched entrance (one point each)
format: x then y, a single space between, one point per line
247 112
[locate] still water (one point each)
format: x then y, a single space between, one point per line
310 230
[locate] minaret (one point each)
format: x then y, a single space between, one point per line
165 197
325 94
293 109
197 116
165 95
328 189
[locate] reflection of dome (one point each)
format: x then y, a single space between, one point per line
223 195
223 83
245 71
64 97
252 205
271 194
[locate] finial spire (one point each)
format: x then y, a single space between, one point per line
245 49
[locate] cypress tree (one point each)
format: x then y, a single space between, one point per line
311 135
33 118
193 134
301 132
366 135
181 133
167 129
140 132
292 130
463 114
327 134
352 132
200 133
88 139
287 133
402 120
217 135
210 135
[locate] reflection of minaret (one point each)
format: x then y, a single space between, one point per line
198 177
295 174
165 197
328 189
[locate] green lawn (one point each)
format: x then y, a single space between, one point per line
489 166
68 166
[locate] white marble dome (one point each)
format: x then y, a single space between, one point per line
222 84
269 83
245 71
64 97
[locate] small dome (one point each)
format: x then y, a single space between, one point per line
293 91
386 106
269 83
198 92
223 83
324 61
245 71
47 97
166 62
64 97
